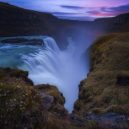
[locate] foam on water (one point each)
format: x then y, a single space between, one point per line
62 68
50 65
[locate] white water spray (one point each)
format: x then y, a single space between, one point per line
62 68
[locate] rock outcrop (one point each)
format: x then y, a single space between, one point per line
24 106
52 99
104 95
20 103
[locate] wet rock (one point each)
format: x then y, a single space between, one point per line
123 80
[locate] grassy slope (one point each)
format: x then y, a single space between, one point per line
107 86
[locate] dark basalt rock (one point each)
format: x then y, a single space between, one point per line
123 80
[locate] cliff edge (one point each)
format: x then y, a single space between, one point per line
103 101
107 85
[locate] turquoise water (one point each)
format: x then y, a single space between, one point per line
48 64
11 55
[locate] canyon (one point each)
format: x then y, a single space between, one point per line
103 98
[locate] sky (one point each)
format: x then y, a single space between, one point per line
76 9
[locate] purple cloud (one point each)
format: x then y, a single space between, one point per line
79 9
108 12
119 9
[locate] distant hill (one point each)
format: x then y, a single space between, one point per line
18 21
15 21
115 24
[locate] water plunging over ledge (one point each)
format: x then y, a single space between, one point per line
51 65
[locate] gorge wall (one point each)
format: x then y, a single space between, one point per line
105 91
106 88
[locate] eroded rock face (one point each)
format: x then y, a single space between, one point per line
104 95
20 103
52 99
23 105
107 87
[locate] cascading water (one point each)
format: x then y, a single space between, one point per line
48 64
62 68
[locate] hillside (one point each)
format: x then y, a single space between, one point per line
119 23
18 21
105 91
15 21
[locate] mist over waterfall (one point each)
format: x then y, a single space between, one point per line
62 68
48 64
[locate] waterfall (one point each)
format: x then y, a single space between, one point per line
62 68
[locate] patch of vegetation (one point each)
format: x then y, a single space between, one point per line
106 88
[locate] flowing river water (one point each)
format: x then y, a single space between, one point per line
48 64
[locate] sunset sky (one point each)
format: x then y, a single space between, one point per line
76 9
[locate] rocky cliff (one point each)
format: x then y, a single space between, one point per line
24 106
103 97
105 92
